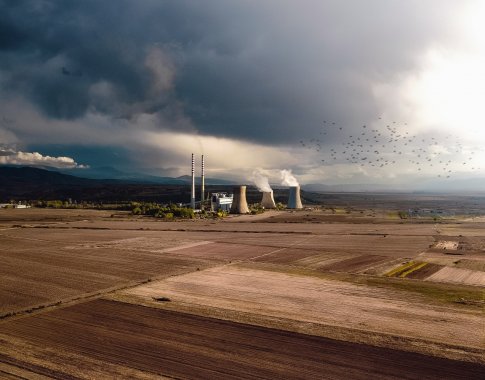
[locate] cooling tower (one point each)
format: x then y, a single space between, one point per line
268 200
294 200
239 203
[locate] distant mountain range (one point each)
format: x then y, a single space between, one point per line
28 183
456 186
24 183
108 172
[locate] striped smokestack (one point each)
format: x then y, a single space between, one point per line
192 195
202 185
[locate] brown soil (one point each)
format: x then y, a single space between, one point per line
356 264
39 269
41 266
319 217
470 264
294 255
458 276
56 258
8 216
157 342
317 300
424 272
224 251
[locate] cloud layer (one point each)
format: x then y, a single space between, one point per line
168 78
11 157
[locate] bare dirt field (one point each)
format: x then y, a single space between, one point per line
10 216
458 276
140 342
318 301
40 267
425 271
355 264
297 283
225 251
61 260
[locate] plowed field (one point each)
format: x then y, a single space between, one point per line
319 301
243 293
156 342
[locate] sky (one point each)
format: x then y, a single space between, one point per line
336 91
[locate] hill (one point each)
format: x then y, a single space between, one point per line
27 183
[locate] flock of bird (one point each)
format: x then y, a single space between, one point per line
391 145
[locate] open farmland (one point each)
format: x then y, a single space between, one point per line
138 341
40 267
309 299
135 297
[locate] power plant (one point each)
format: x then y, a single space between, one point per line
239 203
294 200
268 200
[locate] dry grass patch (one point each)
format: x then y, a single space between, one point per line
451 294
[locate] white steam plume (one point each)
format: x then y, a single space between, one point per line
261 180
287 179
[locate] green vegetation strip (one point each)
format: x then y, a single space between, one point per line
413 269
400 269
446 293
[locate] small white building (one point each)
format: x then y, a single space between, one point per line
13 205
221 201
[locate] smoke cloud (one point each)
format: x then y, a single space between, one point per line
261 180
287 178
11 157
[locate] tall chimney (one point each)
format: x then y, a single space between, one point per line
192 195
294 200
202 186
268 200
239 203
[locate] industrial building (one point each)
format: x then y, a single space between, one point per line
221 201
13 205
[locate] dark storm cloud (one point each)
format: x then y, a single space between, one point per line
262 71
100 42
